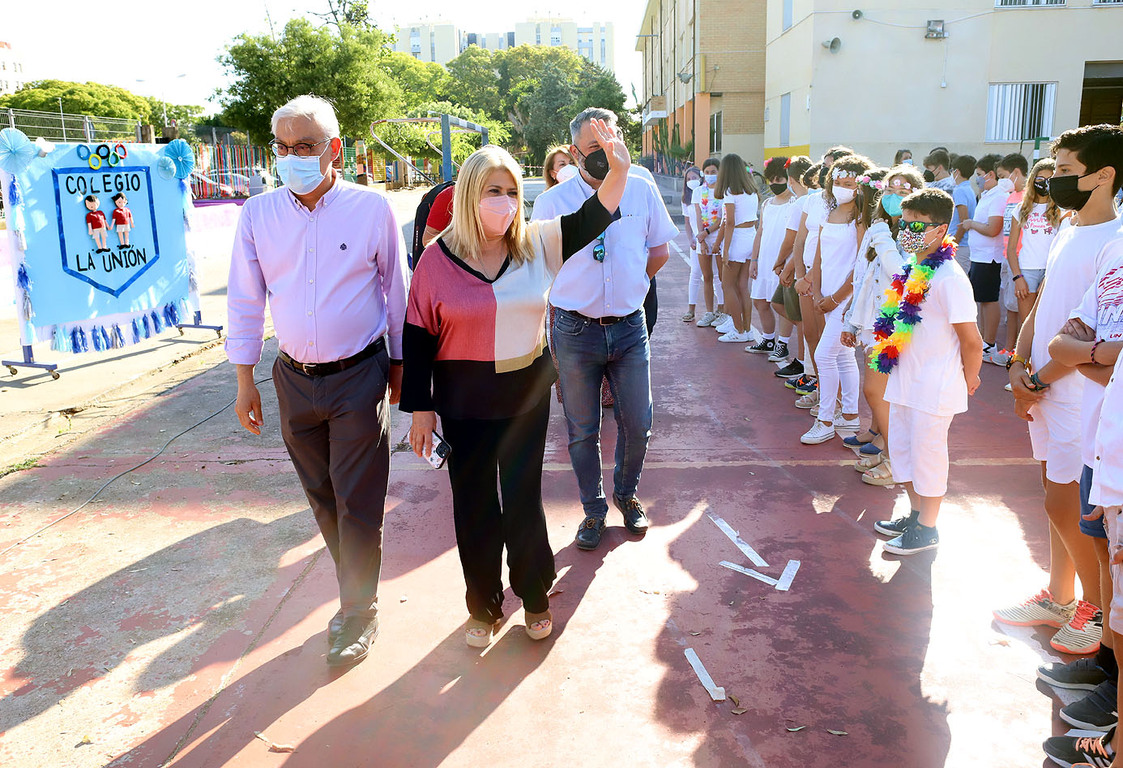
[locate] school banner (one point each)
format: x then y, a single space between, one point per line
98 233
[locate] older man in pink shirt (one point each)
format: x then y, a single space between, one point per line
329 258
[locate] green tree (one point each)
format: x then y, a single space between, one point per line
185 115
343 66
79 98
419 81
475 81
547 108
420 140
524 66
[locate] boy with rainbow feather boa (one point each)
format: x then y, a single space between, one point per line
928 343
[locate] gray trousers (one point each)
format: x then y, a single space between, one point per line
337 431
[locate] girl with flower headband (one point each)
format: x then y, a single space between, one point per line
879 259
831 284
707 225
929 345
691 180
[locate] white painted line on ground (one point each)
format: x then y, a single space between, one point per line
735 537
717 693
680 252
785 582
749 572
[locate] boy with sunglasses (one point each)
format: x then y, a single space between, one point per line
932 369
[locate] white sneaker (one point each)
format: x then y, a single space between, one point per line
723 324
820 433
846 426
706 320
734 336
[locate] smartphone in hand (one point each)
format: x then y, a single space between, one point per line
440 453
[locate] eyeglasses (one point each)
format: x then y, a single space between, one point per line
303 149
598 250
918 227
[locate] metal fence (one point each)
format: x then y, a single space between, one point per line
60 126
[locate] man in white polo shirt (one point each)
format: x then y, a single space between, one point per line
599 328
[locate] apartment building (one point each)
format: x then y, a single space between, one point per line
437 41
12 76
594 42
976 76
704 78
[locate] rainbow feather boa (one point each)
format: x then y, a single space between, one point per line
899 316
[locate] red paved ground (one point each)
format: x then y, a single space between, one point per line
186 609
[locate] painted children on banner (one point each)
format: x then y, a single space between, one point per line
122 218
96 224
933 365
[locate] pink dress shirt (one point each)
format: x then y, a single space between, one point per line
335 277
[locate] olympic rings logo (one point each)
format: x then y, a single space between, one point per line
102 154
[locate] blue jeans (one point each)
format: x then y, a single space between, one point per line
587 352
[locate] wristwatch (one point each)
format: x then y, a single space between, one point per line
1017 277
1015 358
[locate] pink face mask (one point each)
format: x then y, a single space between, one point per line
497 213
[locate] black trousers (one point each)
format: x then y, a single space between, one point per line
489 456
337 431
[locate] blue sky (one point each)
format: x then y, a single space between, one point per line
116 44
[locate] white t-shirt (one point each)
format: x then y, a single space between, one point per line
816 210
746 207
838 244
1101 310
711 208
929 375
988 250
796 212
1037 236
1107 462
774 218
1072 264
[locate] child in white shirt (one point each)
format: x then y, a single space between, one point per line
936 367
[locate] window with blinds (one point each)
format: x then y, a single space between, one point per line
1024 3
1020 111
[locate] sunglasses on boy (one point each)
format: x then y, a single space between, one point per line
918 227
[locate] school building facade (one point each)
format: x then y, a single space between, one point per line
703 78
976 76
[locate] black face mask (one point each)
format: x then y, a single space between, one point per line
596 164
778 189
1041 186
929 177
1066 194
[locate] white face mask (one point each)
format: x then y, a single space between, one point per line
1005 185
565 173
711 179
693 183
843 195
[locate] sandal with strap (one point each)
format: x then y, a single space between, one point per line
882 474
868 462
688 317
856 442
539 625
478 633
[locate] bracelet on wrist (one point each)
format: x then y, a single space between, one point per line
1016 358
1092 356
1038 384
1017 277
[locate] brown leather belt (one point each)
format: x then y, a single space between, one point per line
327 369
600 320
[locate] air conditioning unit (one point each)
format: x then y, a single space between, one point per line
935 30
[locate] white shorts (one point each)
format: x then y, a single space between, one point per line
918 449
1056 434
1114 526
765 284
1006 291
741 246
